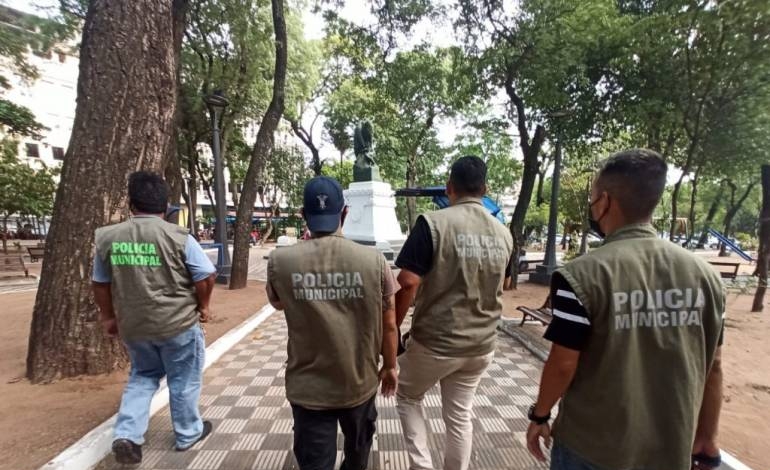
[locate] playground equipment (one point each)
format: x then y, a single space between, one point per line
438 193
726 241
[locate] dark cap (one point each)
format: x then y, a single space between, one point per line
323 204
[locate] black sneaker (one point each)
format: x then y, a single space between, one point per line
207 427
127 452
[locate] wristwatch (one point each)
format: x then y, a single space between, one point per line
538 419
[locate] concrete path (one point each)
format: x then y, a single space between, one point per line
244 397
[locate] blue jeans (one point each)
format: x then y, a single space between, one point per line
181 359
564 459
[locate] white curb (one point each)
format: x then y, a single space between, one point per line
732 462
95 446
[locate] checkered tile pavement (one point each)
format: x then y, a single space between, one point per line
243 396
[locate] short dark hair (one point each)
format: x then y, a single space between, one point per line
469 175
636 179
147 192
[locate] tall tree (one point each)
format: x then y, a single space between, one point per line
261 152
124 121
763 259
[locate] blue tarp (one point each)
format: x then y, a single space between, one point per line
438 193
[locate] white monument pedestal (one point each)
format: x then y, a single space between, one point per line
372 217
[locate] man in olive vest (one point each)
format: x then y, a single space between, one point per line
338 299
636 332
152 283
457 257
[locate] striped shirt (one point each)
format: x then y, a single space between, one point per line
570 326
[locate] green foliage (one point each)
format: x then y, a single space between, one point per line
23 191
537 218
342 172
403 99
286 175
228 46
748 242
489 139
18 120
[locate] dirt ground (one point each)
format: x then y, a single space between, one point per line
39 421
745 422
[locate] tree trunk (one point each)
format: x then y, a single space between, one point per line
693 200
763 258
731 213
173 175
530 149
124 121
260 153
411 202
675 207
5 234
540 199
307 139
710 216
192 204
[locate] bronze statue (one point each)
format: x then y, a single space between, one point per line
365 169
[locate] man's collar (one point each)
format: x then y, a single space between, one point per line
643 230
468 200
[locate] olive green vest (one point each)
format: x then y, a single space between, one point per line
331 289
460 299
656 317
152 291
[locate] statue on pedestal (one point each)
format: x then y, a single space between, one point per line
365 169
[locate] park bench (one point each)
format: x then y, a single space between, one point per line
543 314
36 253
531 265
730 273
13 264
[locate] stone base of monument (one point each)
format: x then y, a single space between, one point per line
372 217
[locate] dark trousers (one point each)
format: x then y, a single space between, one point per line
315 436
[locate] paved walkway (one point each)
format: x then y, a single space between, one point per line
243 396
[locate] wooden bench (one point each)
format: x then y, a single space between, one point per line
731 273
543 314
531 265
36 253
13 264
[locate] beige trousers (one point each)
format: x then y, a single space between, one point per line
421 369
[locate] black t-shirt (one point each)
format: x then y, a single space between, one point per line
570 326
417 253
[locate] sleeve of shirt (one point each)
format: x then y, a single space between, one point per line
196 260
389 284
101 272
570 326
417 253
271 294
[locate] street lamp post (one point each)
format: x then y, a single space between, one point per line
216 103
543 272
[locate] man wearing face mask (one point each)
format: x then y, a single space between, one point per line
636 336
340 312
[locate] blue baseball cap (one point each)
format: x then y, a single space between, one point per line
323 204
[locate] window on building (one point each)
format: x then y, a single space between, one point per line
58 153
33 151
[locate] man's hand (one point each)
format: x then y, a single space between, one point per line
110 327
534 434
705 454
389 379
204 314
